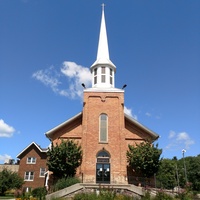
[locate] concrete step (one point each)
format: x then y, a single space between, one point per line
70 191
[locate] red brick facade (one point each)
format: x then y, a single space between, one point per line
31 166
84 128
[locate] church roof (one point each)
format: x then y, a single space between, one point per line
154 135
65 123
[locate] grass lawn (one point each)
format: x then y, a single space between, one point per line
7 197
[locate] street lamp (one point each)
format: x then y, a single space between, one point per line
183 152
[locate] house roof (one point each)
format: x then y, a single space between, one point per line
50 132
33 143
154 135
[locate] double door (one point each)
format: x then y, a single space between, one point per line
103 173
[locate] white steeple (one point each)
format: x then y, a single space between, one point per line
103 70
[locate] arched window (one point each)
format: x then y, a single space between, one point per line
103 129
103 153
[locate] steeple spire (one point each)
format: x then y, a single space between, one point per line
103 69
103 52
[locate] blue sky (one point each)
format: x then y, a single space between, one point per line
47 47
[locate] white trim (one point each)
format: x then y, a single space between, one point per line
153 134
31 161
105 90
41 150
48 133
44 171
29 176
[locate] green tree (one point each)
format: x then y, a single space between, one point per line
63 159
193 171
144 158
166 175
9 180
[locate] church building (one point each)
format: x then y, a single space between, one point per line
102 128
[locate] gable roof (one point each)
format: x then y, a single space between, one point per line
50 132
154 135
44 150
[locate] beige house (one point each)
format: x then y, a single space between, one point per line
10 167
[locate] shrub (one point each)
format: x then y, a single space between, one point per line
65 182
85 196
108 195
39 193
103 195
185 196
146 196
163 196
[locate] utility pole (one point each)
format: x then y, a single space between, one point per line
183 152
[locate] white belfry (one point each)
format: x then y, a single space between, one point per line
103 70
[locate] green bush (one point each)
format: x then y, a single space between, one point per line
85 196
65 182
146 196
163 196
103 195
185 196
106 194
39 193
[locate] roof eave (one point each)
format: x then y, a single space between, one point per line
50 132
32 143
154 135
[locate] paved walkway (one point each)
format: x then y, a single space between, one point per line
7 199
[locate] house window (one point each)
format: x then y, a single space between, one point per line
111 77
42 172
95 76
29 176
31 160
103 74
103 135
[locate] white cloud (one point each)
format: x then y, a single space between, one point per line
148 114
171 134
158 117
48 77
179 140
129 112
183 137
5 129
75 74
4 158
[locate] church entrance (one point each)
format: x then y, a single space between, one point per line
103 167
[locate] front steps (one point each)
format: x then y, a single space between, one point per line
68 192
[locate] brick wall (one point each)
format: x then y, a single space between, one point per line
13 168
111 103
85 130
38 181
